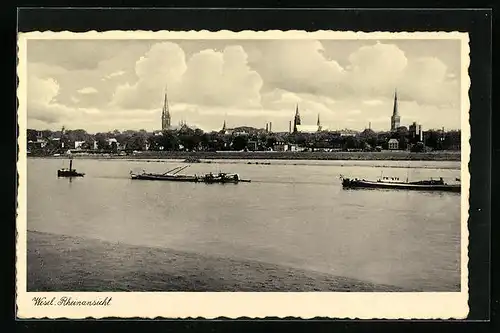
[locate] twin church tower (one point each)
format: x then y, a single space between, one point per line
297 123
395 118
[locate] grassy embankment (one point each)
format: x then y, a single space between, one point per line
63 263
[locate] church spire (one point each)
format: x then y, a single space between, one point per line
165 115
296 120
395 111
318 123
395 119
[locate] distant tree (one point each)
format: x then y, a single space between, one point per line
351 142
102 143
169 140
418 147
300 139
48 133
204 141
136 142
239 142
402 131
154 142
403 142
452 140
189 138
32 135
372 141
114 147
270 142
89 144
77 135
433 140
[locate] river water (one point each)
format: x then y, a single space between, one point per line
293 213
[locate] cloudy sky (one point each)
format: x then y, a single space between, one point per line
102 85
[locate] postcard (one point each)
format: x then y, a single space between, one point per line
188 174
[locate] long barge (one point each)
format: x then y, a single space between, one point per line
388 183
172 175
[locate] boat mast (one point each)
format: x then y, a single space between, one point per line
180 169
169 171
407 171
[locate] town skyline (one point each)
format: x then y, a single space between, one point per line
348 83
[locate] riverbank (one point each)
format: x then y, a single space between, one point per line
64 263
275 155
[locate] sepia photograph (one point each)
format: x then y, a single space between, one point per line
252 164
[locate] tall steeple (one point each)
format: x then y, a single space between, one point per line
395 109
319 124
224 126
296 120
165 115
395 119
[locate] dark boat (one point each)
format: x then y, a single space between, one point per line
223 178
394 183
69 172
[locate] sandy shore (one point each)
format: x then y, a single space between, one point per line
64 263
344 156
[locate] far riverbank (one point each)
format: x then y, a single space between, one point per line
344 156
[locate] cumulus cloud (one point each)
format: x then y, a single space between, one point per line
87 90
354 111
286 101
42 91
113 75
164 62
373 102
83 55
298 66
372 71
376 69
253 81
41 94
43 105
209 77
221 78
426 82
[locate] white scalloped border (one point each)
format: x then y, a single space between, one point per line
305 305
244 34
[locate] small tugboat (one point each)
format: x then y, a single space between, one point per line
69 172
396 184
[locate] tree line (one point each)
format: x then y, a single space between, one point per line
197 140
